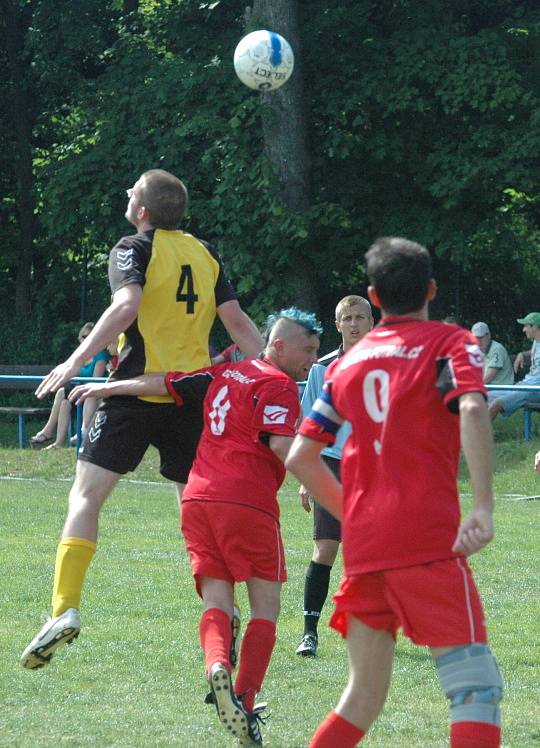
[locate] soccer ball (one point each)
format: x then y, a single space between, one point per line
263 60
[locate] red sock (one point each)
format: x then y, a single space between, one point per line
336 731
255 653
474 735
215 635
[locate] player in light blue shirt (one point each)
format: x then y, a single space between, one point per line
354 319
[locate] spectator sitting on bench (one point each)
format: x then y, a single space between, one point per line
508 402
61 409
498 367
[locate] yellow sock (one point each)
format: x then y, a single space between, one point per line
72 560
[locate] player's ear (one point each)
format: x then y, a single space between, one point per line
432 289
373 297
278 345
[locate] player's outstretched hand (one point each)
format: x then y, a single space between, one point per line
537 462
475 532
304 498
82 392
56 378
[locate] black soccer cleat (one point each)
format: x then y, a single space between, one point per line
255 718
308 645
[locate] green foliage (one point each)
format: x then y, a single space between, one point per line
424 120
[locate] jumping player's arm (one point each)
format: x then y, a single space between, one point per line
145 384
240 328
477 443
114 320
537 462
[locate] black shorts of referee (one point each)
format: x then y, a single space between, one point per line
325 526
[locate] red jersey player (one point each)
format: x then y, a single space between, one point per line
410 389
230 514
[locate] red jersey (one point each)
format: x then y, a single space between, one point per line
399 388
244 403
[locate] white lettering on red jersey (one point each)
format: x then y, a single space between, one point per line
399 387
245 403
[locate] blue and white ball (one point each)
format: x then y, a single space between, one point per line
263 60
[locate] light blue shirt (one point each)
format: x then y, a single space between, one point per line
535 359
311 392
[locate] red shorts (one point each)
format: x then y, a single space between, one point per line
232 542
436 604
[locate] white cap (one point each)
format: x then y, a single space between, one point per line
479 329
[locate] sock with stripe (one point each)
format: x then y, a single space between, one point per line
316 587
73 558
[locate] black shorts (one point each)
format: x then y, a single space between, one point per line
325 526
123 429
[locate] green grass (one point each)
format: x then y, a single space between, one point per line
135 676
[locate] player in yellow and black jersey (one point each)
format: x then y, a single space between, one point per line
167 287
183 283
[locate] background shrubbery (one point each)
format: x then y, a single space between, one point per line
423 119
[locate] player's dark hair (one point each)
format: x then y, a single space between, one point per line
165 197
400 271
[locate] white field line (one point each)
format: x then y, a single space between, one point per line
505 496
70 480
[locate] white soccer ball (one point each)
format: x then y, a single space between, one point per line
263 60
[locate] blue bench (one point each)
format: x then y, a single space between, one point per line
28 378
23 377
528 410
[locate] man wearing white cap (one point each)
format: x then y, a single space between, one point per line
497 365
509 402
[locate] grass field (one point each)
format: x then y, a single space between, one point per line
135 676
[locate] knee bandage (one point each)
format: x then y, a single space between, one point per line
470 678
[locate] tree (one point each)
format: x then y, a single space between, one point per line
393 123
285 140
12 29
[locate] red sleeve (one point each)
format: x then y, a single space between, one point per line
460 369
227 352
323 422
315 431
170 378
183 386
277 411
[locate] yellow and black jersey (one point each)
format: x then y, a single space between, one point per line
183 281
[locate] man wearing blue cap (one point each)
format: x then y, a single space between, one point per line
508 403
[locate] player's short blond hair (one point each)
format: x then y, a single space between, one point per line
352 300
165 197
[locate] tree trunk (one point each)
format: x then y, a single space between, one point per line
22 161
285 137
